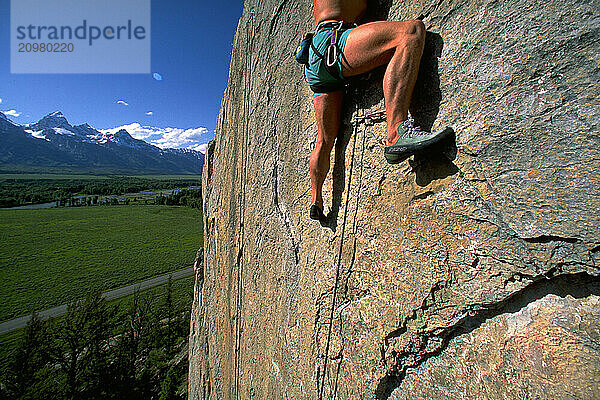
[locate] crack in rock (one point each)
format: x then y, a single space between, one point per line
423 345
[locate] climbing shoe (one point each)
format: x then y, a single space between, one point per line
316 213
411 139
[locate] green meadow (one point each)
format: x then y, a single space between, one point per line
53 256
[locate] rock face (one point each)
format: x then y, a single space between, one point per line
470 271
547 350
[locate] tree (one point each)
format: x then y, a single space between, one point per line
132 346
169 311
82 348
30 357
169 385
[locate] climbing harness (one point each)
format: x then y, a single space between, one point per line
333 50
321 53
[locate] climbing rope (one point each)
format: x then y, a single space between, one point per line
365 120
337 270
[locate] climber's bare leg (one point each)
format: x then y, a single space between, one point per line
327 112
400 45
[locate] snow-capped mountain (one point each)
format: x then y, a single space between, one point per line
53 143
54 120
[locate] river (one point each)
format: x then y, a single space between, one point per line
118 197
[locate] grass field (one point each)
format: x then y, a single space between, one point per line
182 294
52 256
8 342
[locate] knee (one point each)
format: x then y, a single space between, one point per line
325 144
417 28
415 31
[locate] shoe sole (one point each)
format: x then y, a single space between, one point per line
401 153
394 159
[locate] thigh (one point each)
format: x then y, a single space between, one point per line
371 45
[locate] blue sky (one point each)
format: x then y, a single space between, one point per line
191 49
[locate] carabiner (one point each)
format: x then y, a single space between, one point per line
332 55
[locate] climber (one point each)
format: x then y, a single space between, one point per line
341 49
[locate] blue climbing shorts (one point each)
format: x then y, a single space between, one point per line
318 77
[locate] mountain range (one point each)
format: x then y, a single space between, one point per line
52 144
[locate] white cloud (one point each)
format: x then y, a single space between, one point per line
122 102
168 138
12 113
0 100
201 148
149 113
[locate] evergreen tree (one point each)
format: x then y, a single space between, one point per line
169 385
28 361
82 348
133 346
169 311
